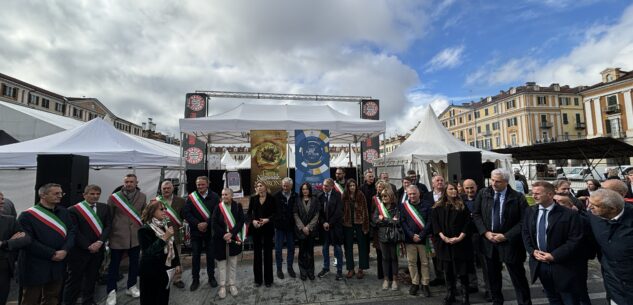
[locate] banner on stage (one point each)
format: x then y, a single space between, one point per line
268 157
312 157
193 149
370 148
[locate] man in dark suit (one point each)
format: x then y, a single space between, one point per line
92 221
331 220
42 263
384 176
200 204
612 226
284 222
551 235
498 214
12 238
411 174
401 193
429 199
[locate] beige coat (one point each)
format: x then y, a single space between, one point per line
124 234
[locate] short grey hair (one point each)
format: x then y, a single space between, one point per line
501 172
609 198
229 190
413 188
616 185
43 190
167 182
558 183
287 180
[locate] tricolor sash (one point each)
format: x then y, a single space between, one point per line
122 203
405 197
381 208
171 213
230 222
243 233
339 188
197 202
415 215
48 218
90 216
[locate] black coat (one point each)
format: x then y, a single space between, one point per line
152 270
451 222
383 224
564 235
194 217
306 217
84 235
257 211
615 241
512 250
369 190
332 213
220 228
8 251
284 211
35 264
409 226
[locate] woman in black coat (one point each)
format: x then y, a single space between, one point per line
384 220
450 221
261 210
159 256
228 222
306 214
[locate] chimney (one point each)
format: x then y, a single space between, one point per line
555 86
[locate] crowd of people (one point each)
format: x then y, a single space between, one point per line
453 227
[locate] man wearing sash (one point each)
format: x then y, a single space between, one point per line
339 183
42 264
126 207
173 208
92 221
200 204
416 227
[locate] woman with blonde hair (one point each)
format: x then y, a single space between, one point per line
387 219
159 256
450 220
261 210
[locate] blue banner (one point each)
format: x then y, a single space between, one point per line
312 157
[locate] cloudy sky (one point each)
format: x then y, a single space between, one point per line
140 58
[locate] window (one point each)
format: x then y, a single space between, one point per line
607 124
612 100
78 113
477 114
495 126
59 107
34 99
461 135
498 141
495 109
563 101
478 129
565 121
541 100
46 103
9 91
576 102
487 128
510 104
511 122
513 139
470 131
470 117
577 117
461 120
486 112
472 143
543 118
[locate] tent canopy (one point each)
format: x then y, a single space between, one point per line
431 142
100 141
233 126
24 123
228 162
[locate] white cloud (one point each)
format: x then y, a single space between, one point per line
447 58
604 45
140 58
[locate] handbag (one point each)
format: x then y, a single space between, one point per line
393 234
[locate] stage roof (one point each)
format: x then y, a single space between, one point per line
603 147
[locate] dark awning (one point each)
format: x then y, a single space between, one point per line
595 148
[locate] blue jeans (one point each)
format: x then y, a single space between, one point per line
115 261
338 253
289 238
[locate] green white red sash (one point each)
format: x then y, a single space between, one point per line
339 188
49 219
230 222
243 233
171 213
405 197
90 216
381 208
415 215
121 202
197 202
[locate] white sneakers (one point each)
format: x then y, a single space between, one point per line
222 292
385 285
133 292
233 290
394 285
111 298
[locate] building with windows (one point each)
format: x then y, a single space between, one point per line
18 92
608 106
520 116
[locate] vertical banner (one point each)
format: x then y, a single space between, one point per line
370 147
268 157
312 157
193 149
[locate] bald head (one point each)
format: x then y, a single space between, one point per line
470 188
615 185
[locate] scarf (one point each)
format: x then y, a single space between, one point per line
159 228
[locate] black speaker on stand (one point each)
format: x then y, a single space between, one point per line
465 165
69 171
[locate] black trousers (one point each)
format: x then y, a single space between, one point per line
263 253
5 281
152 287
196 251
83 272
306 256
517 275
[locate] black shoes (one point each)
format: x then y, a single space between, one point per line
213 282
487 296
311 276
194 285
179 284
303 277
280 274
268 284
258 284
413 290
292 273
426 290
339 275
323 273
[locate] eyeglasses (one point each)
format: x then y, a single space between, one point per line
163 209
385 196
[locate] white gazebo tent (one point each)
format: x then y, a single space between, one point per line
430 143
227 161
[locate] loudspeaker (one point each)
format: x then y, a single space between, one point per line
465 165
69 171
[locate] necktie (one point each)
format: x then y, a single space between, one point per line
542 228
496 215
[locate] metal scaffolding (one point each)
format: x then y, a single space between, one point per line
281 96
